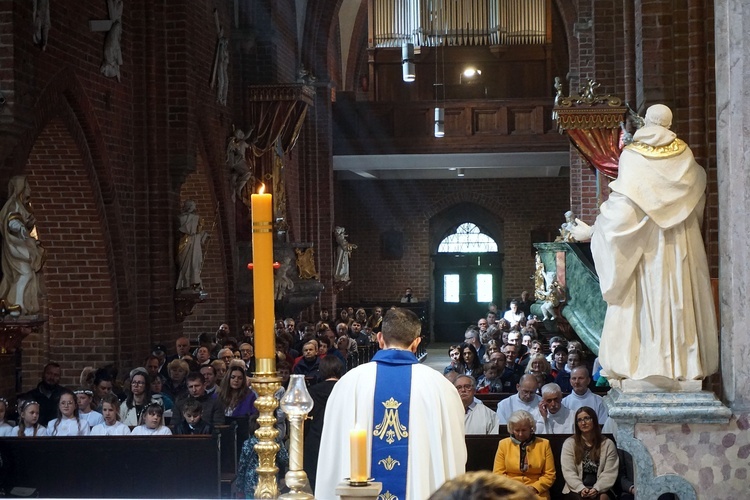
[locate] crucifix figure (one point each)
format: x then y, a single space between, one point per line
113 27
219 77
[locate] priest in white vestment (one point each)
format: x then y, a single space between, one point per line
551 416
478 419
434 429
651 261
525 399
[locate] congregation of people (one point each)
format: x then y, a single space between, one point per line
197 386
206 383
541 387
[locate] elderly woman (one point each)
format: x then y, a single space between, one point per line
525 457
589 460
176 385
540 368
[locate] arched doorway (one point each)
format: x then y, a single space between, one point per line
467 272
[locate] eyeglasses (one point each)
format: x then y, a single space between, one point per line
137 382
466 387
584 420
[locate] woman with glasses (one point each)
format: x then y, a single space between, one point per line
139 396
68 422
589 460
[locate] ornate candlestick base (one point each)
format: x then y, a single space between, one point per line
266 383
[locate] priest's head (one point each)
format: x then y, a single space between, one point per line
401 330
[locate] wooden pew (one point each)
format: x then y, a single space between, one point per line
115 466
482 449
228 442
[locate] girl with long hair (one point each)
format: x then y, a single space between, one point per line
68 421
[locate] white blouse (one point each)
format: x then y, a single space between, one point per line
69 427
117 429
142 430
29 432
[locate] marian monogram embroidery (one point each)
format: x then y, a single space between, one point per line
390 428
389 463
387 496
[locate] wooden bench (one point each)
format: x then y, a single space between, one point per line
114 466
482 449
228 444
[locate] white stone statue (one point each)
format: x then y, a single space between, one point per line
565 235
282 282
190 249
41 23
112 51
22 253
239 171
343 252
651 261
552 295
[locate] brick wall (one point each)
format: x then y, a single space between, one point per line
368 208
79 297
128 146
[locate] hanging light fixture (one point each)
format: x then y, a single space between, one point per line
407 62
439 89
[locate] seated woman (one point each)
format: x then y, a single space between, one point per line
491 347
525 457
176 385
539 367
469 362
454 352
68 421
589 460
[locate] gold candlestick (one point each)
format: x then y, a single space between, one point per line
266 383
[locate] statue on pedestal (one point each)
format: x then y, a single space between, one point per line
343 252
22 253
651 261
190 250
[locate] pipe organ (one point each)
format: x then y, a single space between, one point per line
460 22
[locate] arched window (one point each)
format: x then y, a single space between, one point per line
467 239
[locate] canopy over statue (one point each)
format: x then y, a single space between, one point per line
652 263
22 253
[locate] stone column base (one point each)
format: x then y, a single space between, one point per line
664 407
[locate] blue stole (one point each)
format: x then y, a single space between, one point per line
390 436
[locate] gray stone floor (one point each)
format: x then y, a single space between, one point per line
437 356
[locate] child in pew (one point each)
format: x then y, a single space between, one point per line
193 423
247 471
5 428
85 398
28 420
68 421
111 413
490 381
152 422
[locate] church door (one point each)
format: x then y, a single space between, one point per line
464 285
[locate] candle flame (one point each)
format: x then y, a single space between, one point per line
262 188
